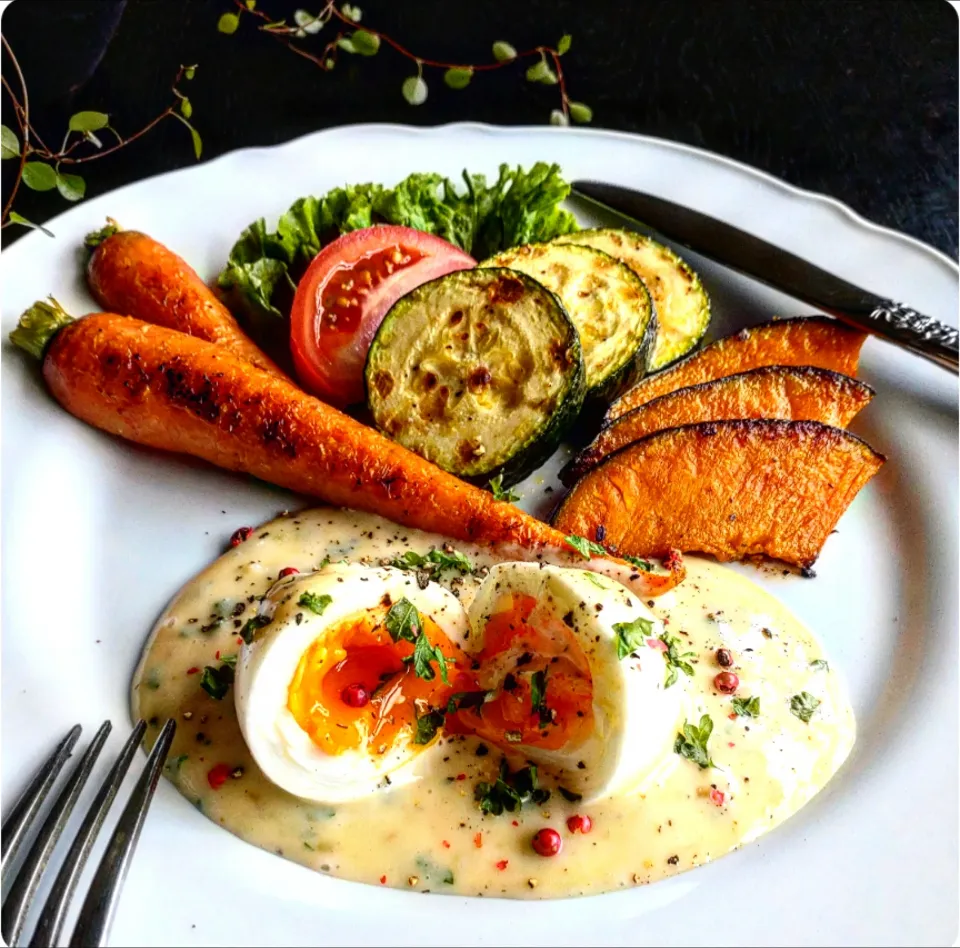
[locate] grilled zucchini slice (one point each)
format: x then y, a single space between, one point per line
608 303
682 304
480 372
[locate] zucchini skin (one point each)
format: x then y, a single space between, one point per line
531 454
636 364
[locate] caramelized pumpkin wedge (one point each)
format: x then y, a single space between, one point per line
792 393
733 489
804 340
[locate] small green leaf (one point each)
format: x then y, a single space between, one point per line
427 726
675 659
540 71
316 604
564 44
503 51
414 90
250 627
351 12
423 654
458 78
747 707
308 23
580 113
88 121
346 44
432 872
366 44
215 684
250 4
558 117
16 218
9 143
803 705
329 63
692 742
403 621
228 23
585 547
190 71
500 493
186 109
645 565
631 635
197 142
820 664
39 177
71 186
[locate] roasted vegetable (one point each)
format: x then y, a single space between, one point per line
730 488
167 390
131 273
607 302
793 393
804 340
479 371
680 301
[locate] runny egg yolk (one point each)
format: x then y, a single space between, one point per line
524 658
358 653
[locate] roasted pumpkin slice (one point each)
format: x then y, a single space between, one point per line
480 372
733 489
681 302
608 303
793 393
804 340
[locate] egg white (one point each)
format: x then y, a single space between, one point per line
282 749
635 716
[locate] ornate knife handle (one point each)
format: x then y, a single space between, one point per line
921 334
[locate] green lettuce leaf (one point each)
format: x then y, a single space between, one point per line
263 267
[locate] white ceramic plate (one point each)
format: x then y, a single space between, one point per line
97 535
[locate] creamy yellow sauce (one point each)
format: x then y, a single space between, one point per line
430 835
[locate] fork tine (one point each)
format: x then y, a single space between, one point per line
101 901
18 900
54 911
18 822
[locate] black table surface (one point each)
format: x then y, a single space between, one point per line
854 99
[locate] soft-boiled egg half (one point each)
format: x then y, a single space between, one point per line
573 667
330 696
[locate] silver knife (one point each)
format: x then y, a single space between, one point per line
895 322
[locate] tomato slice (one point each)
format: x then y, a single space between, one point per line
346 292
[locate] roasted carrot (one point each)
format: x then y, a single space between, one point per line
131 273
167 390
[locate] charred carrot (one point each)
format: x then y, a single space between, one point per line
164 389
131 273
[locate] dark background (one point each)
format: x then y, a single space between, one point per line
854 99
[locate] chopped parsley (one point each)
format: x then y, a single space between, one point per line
313 602
586 548
427 726
230 660
631 635
423 654
803 705
431 872
692 742
465 699
675 659
216 682
747 707
538 697
251 626
569 795
434 560
645 565
403 621
820 664
175 763
510 791
501 493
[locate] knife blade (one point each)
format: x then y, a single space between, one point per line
782 270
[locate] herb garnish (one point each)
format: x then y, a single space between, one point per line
511 790
251 626
586 548
692 742
427 726
747 707
466 699
803 705
631 635
645 565
434 560
432 872
501 493
404 623
820 664
216 682
569 795
675 659
538 697
313 602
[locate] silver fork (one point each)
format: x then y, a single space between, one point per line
96 914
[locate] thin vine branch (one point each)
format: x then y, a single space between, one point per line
366 41
40 166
